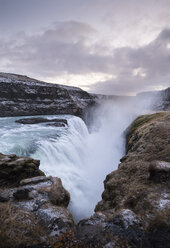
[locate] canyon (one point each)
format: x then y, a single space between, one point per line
135 207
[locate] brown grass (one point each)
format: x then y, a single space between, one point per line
18 227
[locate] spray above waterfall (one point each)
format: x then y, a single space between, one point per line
80 156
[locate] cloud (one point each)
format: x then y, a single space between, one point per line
65 47
137 69
73 48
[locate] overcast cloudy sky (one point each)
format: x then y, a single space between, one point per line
103 46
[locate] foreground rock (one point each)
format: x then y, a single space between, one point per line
51 122
33 207
24 96
34 214
13 169
111 229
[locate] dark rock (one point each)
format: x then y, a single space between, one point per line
56 124
38 120
13 169
112 230
3 198
39 214
56 219
160 237
159 171
21 194
51 187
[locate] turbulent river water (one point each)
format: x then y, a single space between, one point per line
81 158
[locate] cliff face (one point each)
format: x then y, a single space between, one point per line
20 95
159 100
24 96
166 98
135 206
33 207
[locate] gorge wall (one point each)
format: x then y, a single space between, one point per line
21 95
135 207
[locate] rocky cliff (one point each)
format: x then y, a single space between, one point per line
21 95
24 96
135 206
33 207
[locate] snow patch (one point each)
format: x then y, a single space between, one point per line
164 201
129 218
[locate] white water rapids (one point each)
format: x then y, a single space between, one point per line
82 159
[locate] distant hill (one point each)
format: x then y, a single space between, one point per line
21 95
24 96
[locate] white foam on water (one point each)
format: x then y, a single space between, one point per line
82 159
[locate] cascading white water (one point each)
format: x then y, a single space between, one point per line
81 159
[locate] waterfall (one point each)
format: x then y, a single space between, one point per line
81 158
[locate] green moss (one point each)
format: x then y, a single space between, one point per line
140 121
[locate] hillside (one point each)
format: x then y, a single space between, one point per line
21 95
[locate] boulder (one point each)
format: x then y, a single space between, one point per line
36 210
159 171
109 229
13 169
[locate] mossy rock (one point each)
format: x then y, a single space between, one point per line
142 120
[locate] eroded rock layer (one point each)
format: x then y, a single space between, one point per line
21 95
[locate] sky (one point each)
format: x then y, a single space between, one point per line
114 47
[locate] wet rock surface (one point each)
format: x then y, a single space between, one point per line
38 120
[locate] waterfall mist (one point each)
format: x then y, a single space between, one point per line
80 156
104 146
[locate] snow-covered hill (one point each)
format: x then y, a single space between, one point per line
21 95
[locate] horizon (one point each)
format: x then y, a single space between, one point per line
141 92
103 47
